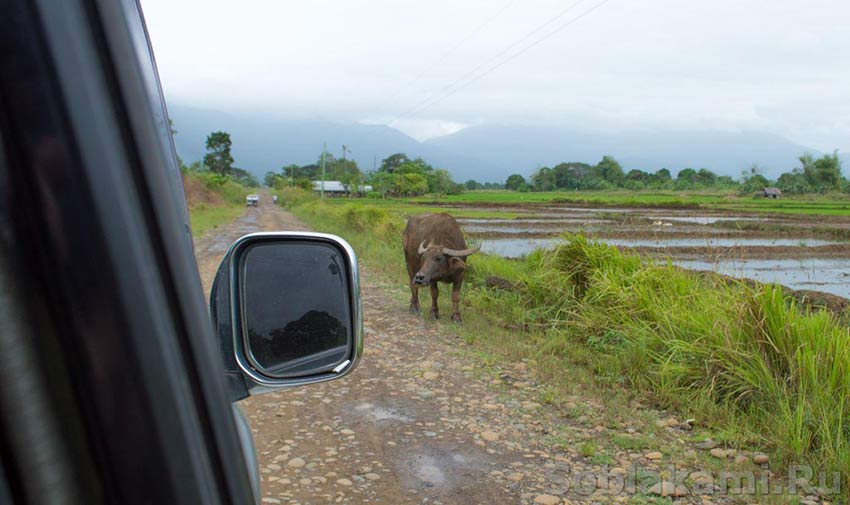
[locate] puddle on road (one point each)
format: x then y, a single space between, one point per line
379 413
428 471
442 468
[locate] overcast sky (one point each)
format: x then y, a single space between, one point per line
432 67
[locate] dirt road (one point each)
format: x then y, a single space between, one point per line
421 422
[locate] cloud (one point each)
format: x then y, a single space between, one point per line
778 66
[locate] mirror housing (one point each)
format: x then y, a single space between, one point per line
286 308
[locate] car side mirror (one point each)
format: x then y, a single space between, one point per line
286 307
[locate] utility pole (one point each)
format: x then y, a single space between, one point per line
344 149
324 148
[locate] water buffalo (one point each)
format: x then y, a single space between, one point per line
435 250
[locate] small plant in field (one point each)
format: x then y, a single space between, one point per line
645 499
546 396
631 442
559 441
602 459
587 449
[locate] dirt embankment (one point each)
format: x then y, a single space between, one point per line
197 193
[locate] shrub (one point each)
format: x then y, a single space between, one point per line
294 196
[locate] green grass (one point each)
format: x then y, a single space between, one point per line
836 204
205 217
743 360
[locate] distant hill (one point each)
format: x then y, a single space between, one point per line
484 153
523 148
261 144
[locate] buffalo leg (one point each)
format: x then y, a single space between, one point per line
414 297
456 301
414 288
435 292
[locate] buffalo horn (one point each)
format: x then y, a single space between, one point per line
463 253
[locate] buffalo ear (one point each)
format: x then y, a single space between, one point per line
457 262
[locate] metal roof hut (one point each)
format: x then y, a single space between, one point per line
332 188
771 192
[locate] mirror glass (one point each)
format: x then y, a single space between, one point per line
296 309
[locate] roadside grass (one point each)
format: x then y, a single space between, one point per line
746 362
204 218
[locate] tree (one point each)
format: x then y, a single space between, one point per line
244 177
218 158
514 181
390 163
269 179
611 171
662 176
824 173
752 180
794 182
412 184
706 177
686 176
542 180
472 184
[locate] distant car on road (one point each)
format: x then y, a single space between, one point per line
252 200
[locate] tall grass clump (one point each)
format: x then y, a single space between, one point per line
744 357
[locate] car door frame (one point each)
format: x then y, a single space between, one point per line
97 246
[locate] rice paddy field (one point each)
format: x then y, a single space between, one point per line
802 243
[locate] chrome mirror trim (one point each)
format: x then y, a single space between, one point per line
257 382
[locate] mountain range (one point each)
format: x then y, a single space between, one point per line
484 153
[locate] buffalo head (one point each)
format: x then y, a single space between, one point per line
440 263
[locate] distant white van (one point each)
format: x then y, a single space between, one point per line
252 200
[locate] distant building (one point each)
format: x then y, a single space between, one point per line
330 187
337 188
771 193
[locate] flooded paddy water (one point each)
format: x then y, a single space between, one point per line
803 254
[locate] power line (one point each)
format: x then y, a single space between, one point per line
459 85
451 50
504 51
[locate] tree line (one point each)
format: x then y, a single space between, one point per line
398 175
814 175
